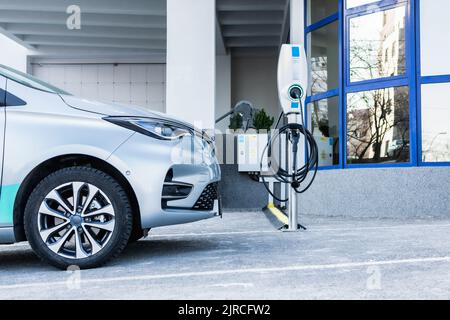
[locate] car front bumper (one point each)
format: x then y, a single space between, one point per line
146 163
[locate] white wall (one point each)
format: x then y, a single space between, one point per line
255 80
191 66
137 84
13 54
434 26
223 89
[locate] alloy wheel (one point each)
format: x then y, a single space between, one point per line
76 220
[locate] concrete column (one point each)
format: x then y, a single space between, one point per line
223 90
13 54
191 61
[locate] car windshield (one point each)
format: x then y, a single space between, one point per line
29 81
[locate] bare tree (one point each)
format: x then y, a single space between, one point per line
367 127
371 115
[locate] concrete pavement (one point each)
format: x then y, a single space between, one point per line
244 257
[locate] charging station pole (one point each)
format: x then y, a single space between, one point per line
297 36
292 205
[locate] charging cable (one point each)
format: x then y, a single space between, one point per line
298 176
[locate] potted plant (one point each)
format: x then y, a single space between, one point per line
261 121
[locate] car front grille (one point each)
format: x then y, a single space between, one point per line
206 200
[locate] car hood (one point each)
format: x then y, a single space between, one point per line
116 109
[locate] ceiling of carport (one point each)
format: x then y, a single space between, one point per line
135 27
253 27
108 27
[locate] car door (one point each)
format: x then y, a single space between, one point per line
5 220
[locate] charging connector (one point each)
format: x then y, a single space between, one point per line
296 93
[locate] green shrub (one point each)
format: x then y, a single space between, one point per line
261 121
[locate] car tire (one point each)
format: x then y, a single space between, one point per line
85 235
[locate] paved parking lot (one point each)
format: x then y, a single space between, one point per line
244 257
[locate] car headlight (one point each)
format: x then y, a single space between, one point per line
155 128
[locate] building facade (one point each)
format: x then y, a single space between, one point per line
380 97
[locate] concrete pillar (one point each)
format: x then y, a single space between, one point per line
191 61
223 90
13 54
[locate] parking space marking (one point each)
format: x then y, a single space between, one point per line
348 265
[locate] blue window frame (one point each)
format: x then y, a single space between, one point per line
410 78
406 153
329 92
347 87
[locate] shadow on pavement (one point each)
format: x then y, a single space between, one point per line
142 251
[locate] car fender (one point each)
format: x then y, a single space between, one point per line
14 178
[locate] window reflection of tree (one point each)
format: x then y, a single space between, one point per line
319 74
374 119
378 120
369 57
436 147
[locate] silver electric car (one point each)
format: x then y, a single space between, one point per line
81 179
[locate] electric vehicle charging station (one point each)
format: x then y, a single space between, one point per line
292 86
294 164
290 156
297 151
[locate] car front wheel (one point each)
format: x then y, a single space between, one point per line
78 216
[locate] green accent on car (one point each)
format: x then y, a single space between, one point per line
7 196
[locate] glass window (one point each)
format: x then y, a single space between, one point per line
357 3
371 36
325 128
378 126
13 101
324 58
435 123
320 9
434 25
